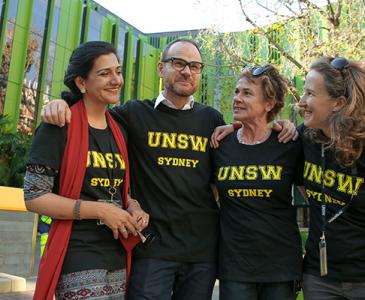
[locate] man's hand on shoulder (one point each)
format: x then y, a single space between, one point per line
287 131
56 112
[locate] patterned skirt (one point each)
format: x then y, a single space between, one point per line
92 284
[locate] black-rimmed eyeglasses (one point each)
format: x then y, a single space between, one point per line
339 63
180 64
256 71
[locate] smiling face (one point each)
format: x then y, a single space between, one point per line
317 104
249 103
104 81
184 83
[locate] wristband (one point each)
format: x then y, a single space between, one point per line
236 125
76 210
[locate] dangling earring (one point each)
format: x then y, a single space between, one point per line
83 91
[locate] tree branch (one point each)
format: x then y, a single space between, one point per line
271 41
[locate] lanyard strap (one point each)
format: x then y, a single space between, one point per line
323 198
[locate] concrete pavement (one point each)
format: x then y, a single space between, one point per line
28 295
30 286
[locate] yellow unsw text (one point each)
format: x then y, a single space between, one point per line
105 160
177 140
345 183
252 172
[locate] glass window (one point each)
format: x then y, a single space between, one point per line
6 57
121 44
83 23
2 11
95 21
33 63
134 67
50 66
55 20
13 10
51 51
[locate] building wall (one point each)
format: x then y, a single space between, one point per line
37 39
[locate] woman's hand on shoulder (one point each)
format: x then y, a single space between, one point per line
219 133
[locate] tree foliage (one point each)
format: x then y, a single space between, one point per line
301 32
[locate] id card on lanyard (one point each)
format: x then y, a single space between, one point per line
322 241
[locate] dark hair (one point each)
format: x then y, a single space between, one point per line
273 85
180 40
81 62
347 126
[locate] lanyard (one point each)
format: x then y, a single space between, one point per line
339 212
112 190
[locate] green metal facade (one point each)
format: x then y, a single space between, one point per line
37 39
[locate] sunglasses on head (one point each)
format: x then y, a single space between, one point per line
256 71
339 63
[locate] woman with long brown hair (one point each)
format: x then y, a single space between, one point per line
333 134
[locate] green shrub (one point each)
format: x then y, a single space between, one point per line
14 148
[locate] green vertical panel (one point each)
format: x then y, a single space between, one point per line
4 10
67 40
163 43
17 66
106 29
155 58
148 79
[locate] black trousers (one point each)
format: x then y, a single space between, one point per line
234 290
320 288
155 279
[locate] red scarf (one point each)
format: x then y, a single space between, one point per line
72 174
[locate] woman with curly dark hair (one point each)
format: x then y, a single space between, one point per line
333 106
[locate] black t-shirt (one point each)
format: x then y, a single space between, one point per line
260 240
170 175
91 246
345 236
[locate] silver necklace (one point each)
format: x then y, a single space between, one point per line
241 138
